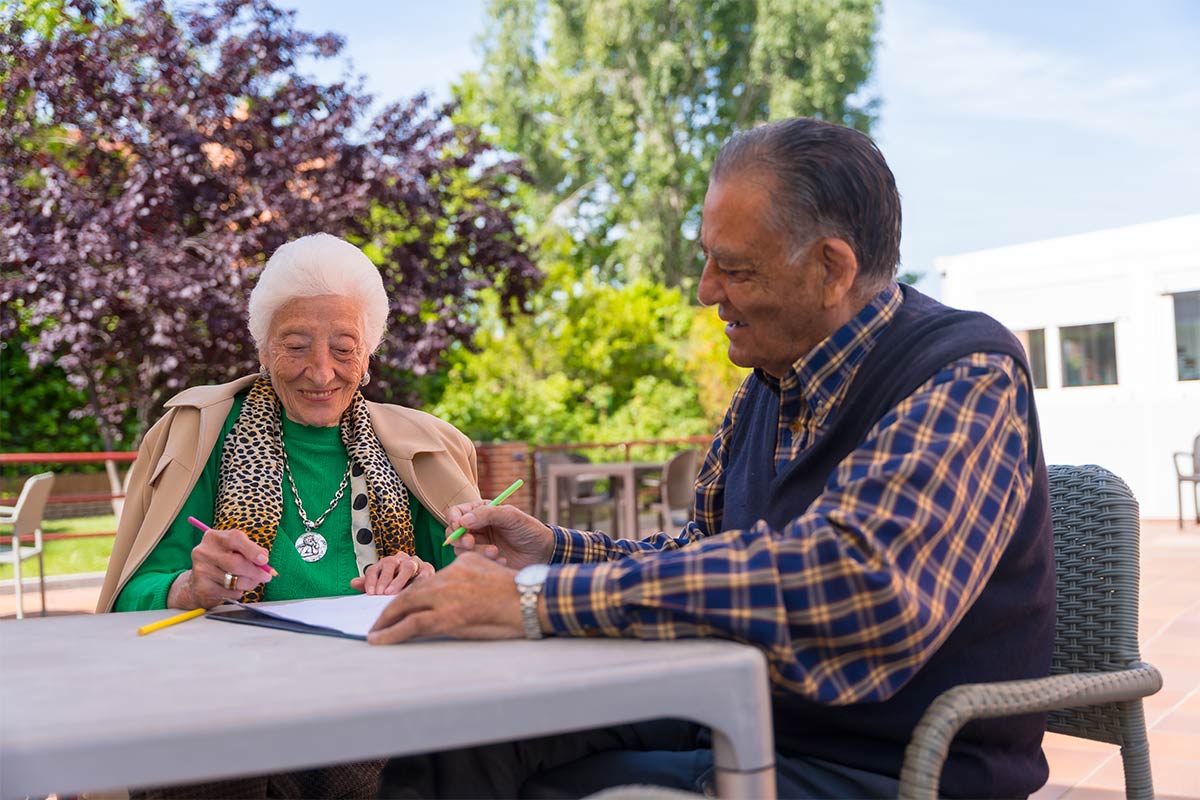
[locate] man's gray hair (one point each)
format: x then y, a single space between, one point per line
316 265
825 180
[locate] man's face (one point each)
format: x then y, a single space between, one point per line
771 305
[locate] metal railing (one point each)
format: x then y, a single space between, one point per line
122 457
67 458
542 448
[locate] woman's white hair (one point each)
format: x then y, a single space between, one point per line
317 265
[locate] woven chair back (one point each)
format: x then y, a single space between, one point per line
1096 556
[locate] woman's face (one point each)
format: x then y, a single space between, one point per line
316 356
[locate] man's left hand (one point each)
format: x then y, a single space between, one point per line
473 598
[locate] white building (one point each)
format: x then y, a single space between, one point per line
1111 321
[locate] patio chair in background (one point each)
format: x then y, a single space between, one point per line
1097 679
1185 475
579 494
677 490
26 519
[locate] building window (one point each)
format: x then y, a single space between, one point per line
1187 335
1034 342
1089 355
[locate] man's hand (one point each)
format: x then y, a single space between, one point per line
473 598
502 533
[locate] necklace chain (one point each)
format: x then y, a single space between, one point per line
311 525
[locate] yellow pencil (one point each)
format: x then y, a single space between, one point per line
169 621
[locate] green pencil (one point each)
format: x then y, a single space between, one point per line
500 498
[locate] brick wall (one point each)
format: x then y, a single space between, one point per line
501 463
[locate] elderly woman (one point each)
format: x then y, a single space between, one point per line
293 469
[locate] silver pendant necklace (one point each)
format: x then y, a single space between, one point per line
311 545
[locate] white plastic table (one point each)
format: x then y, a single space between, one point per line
86 704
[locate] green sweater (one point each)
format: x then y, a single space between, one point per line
318 461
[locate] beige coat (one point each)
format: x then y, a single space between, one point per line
433 458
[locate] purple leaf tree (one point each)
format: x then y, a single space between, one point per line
151 162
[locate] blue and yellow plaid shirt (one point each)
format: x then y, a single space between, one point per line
956 447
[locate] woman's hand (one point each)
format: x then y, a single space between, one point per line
392 573
219 553
502 533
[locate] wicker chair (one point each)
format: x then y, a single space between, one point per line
1097 679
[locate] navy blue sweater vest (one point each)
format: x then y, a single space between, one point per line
1008 633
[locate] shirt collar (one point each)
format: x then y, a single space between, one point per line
820 375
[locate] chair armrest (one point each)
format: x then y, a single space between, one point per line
954 708
8 514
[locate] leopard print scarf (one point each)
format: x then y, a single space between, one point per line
250 486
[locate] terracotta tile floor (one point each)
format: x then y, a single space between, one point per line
1079 769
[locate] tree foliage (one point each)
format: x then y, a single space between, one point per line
592 362
619 106
37 405
150 162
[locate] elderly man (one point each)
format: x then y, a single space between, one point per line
873 512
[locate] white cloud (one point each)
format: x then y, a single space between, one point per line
946 64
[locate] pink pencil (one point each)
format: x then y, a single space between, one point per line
264 567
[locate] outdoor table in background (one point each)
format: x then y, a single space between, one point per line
625 475
87 704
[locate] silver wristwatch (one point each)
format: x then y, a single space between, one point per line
530 581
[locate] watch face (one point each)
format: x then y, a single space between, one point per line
533 575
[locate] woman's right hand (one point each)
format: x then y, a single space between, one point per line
502 533
219 553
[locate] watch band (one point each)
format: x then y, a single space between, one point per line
530 581
529 615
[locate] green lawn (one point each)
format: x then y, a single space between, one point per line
69 556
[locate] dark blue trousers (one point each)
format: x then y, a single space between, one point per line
666 753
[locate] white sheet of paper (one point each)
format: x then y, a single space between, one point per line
353 614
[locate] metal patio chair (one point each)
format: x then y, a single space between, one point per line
580 495
677 490
1185 474
1097 679
26 520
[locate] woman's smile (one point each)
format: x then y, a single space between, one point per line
310 394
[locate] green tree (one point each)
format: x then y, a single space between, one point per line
39 410
619 106
592 362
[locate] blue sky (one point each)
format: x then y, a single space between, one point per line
1003 122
